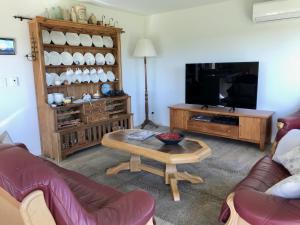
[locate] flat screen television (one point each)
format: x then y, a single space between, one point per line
222 84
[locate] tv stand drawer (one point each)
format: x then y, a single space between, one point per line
214 128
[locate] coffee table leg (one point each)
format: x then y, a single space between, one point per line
189 177
116 169
174 188
135 163
170 169
171 178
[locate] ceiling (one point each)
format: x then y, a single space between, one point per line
150 7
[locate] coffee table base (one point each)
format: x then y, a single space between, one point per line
171 175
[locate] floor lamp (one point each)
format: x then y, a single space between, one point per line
144 48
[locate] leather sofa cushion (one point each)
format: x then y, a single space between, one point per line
264 174
92 196
259 208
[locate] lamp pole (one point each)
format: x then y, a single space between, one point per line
147 120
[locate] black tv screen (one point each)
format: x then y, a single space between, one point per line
222 84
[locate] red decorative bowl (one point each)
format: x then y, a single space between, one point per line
170 138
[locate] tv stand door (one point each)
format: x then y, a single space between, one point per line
178 119
250 129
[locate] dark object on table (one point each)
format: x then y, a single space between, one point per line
170 138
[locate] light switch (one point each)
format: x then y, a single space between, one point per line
3 82
12 81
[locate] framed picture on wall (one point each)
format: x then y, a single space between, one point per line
7 46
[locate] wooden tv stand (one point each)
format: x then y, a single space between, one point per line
253 126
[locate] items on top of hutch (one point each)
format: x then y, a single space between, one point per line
78 14
77 102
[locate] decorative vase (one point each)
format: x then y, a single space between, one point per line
67 15
81 13
73 15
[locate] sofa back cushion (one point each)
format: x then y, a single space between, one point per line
22 173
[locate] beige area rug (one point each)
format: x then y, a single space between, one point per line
200 204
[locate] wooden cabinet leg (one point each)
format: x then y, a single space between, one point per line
262 146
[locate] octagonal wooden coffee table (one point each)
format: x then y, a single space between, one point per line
187 151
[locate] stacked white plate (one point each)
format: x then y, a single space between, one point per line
110 76
110 59
86 40
100 59
72 39
108 42
89 59
49 79
102 77
97 41
58 37
55 58
67 58
46 37
46 58
78 58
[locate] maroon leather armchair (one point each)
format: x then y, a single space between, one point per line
71 198
248 203
285 124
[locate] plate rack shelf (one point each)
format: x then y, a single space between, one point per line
67 129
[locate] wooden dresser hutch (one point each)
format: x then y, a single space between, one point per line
73 127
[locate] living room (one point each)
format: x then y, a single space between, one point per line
182 33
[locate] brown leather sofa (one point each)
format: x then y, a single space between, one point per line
70 198
248 203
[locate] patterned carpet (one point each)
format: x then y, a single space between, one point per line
200 203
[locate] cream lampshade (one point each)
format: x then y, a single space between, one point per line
144 48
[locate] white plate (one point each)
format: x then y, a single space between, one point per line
55 58
77 76
89 58
110 76
97 41
94 77
46 37
72 39
110 59
58 37
100 59
46 58
108 42
102 77
67 58
63 77
56 79
86 40
78 58
85 78
49 79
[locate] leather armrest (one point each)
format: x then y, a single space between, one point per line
260 208
134 208
290 122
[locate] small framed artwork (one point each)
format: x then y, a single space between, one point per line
7 46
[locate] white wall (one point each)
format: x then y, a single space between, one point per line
18 112
224 32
